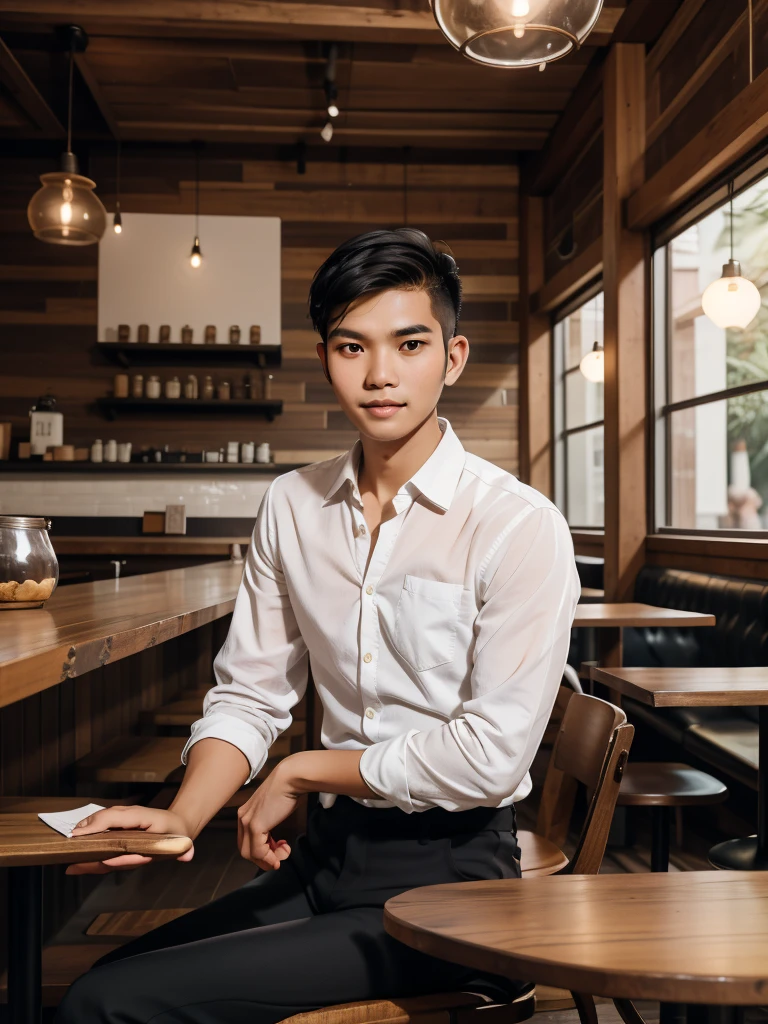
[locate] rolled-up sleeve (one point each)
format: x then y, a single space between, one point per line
261 671
530 589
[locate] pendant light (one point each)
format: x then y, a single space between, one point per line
516 33
117 221
65 210
592 364
732 300
196 256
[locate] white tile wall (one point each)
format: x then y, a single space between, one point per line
67 494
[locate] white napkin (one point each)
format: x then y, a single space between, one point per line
65 821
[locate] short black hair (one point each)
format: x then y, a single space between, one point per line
382 259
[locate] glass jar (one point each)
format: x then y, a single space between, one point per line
173 388
152 388
29 570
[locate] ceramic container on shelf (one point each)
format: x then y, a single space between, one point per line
190 387
120 385
97 450
143 334
223 392
124 451
186 335
247 451
173 388
29 570
254 336
110 451
123 332
164 334
152 389
210 334
137 386
263 453
233 451
234 335
208 387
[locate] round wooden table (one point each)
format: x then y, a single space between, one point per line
692 937
26 844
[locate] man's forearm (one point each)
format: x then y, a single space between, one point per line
325 771
215 771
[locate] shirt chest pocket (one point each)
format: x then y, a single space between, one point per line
426 622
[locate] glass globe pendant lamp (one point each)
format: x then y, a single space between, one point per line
516 33
65 211
592 364
731 300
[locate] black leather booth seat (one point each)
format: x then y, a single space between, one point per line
723 737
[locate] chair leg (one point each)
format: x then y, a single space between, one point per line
585 1005
659 839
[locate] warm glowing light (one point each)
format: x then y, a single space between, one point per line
520 8
195 259
326 133
118 229
518 31
731 300
593 364
333 110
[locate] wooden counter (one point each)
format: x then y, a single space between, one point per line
89 625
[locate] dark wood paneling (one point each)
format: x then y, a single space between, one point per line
48 293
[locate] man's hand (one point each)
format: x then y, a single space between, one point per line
273 802
148 819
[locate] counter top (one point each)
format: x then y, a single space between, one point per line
87 625
148 544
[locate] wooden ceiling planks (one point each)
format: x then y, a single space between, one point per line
252 71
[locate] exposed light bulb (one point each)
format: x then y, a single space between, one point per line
731 300
326 132
520 8
333 110
592 364
196 257
518 31
118 229
117 222
66 213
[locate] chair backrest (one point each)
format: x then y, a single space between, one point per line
592 747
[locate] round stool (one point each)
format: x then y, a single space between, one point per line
661 786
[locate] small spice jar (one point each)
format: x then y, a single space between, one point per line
164 335
137 385
123 332
186 335
110 451
97 450
210 334
120 385
153 389
208 387
190 386
247 451
223 391
234 335
143 334
173 388
255 334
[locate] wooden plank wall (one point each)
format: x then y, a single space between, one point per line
48 293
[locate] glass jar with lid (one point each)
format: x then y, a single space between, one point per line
29 570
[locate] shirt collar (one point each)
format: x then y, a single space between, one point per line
437 479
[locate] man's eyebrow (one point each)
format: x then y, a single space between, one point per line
345 332
413 329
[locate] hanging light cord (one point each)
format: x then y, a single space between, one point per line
751 33
405 185
118 172
730 199
69 112
197 191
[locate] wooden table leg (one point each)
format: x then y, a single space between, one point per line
25 945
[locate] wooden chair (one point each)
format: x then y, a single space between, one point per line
591 747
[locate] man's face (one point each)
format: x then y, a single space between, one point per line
389 348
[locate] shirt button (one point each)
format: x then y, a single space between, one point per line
369 713
367 658
369 590
362 531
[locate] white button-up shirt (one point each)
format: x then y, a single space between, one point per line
441 660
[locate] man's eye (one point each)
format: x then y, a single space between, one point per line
414 341
349 345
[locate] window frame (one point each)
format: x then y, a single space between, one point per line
746 174
560 433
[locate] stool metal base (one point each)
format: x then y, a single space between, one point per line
739 855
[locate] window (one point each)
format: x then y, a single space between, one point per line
710 383
578 411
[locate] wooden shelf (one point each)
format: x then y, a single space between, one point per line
133 354
269 407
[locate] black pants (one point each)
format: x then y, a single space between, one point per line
309 934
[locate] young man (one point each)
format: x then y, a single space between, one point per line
434 594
